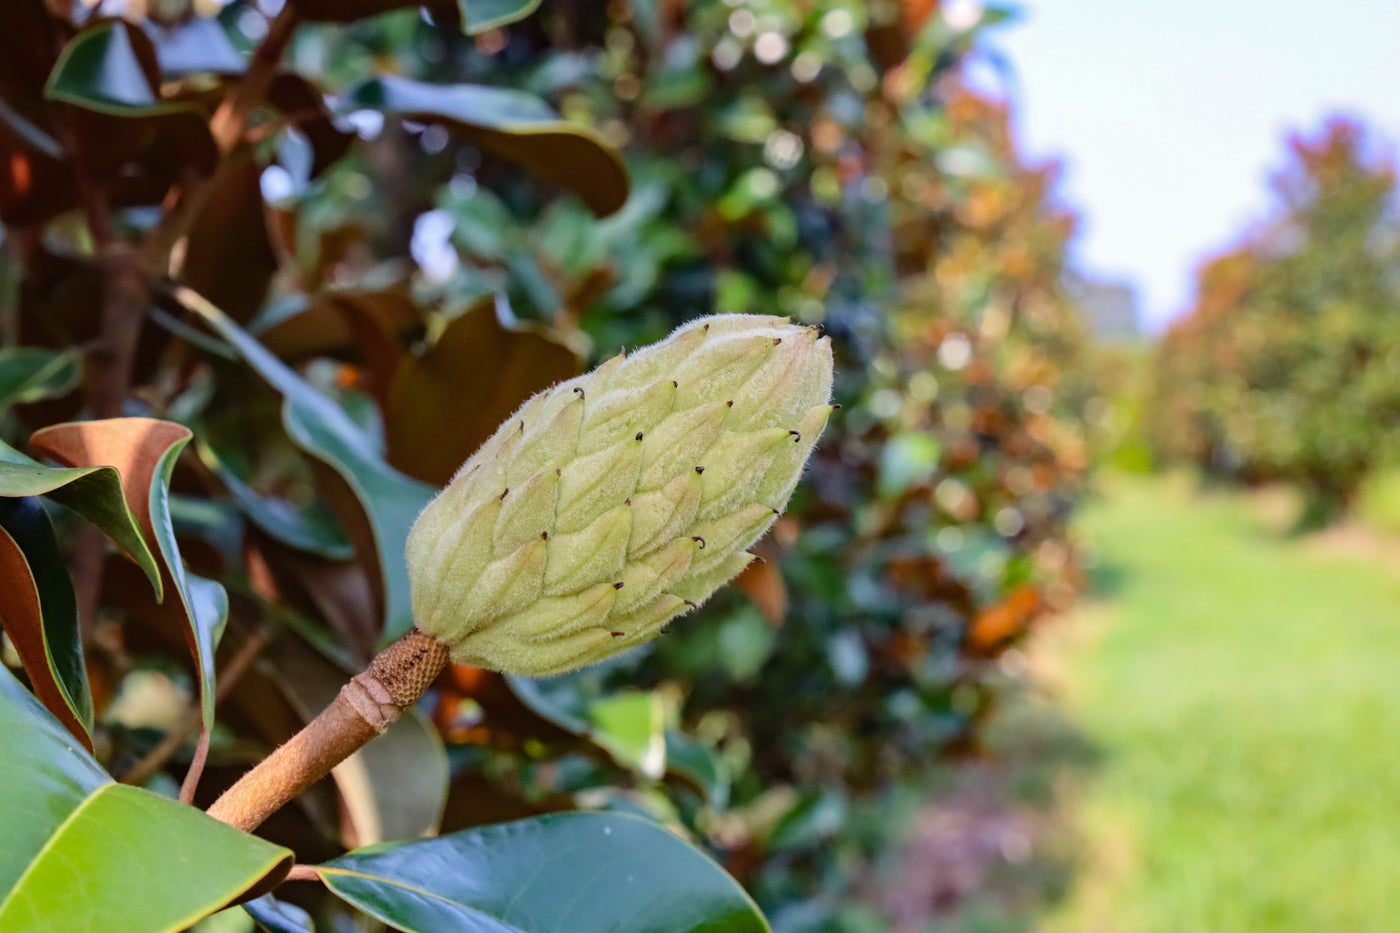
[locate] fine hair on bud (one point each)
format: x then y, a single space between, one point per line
613 502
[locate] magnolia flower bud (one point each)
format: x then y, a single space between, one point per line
613 502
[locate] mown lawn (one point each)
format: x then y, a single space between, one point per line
1242 691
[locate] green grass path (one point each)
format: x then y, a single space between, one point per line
1244 694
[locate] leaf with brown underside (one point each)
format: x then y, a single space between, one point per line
144 451
133 445
39 614
444 403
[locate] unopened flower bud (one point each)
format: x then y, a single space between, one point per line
613 502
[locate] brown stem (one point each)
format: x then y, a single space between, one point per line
230 121
303 873
363 709
229 675
228 126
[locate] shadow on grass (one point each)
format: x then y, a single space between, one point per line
996 848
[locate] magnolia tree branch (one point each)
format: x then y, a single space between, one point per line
364 708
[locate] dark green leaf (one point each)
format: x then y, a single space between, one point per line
481 15
143 860
390 501
110 68
575 872
512 124
40 614
80 852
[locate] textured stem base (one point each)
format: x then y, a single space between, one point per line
364 708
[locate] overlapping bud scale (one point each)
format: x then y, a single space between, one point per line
615 501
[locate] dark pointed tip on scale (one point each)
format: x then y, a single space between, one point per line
797 436
504 493
639 436
692 605
699 469
617 585
835 405
617 634
729 404
579 390
626 501
777 340
544 536
700 541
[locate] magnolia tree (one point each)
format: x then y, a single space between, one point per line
596 513
274 276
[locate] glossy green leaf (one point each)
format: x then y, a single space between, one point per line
481 15
575 872
390 501
44 776
80 853
140 859
94 492
28 374
40 614
110 68
511 124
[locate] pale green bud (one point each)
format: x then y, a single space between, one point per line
611 503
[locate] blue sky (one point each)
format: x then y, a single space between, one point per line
1170 116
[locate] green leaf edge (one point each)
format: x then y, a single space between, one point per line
329 869
473 28
126 535
54 91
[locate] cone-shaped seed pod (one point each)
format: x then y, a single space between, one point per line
613 502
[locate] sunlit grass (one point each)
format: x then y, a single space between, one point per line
1244 692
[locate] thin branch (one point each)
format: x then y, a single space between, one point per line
232 672
230 121
363 709
228 126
